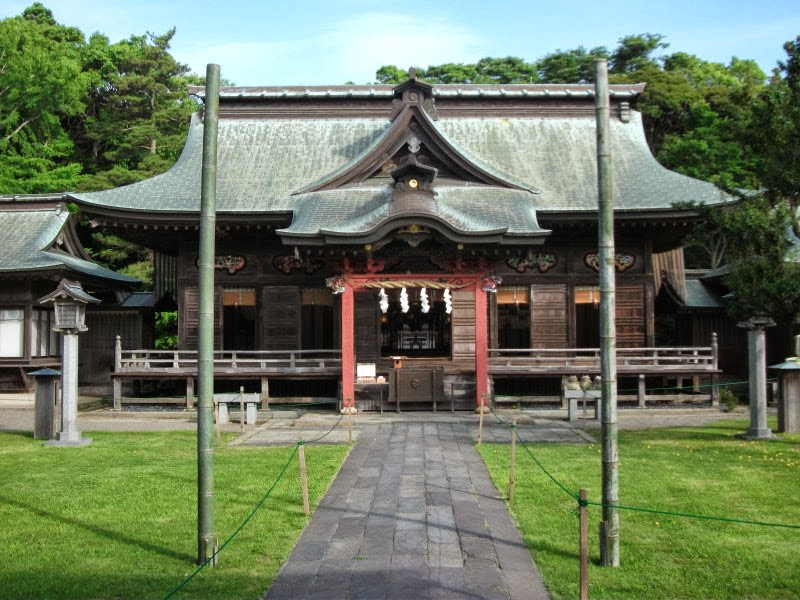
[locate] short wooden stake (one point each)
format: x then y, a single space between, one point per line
301 453
513 467
216 421
349 421
241 408
584 545
480 421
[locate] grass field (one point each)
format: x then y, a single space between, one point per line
699 471
118 519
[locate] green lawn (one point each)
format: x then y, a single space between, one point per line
699 471
118 519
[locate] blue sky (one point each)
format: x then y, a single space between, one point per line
311 42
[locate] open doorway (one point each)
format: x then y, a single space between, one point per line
238 318
587 316
317 326
513 317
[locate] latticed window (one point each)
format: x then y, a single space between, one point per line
44 341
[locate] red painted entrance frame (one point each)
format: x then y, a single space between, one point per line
350 283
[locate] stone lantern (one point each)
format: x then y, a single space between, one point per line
789 394
69 303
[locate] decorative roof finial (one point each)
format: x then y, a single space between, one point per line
412 74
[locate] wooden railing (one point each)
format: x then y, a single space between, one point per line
681 359
240 361
629 360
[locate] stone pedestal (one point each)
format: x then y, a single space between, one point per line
44 423
69 434
757 367
789 395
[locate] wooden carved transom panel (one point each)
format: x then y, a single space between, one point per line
622 262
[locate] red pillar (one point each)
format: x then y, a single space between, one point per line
348 348
481 348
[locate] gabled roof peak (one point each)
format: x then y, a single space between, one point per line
413 92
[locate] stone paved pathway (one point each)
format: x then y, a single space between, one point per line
412 514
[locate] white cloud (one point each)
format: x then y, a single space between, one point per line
347 50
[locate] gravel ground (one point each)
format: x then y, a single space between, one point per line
16 415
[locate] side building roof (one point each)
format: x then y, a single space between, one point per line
37 236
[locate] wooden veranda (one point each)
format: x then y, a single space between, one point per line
690 363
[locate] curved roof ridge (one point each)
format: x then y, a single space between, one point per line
552 90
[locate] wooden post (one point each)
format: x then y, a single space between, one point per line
303 477
513 467
117 382
189 392
216 421
349 424
241 408
584 545
481 347
265 393
480 423
642 391
348 347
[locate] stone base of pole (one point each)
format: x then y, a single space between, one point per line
349 410
70 440
757 433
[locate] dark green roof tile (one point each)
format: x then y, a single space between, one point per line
30 240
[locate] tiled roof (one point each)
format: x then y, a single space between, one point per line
469 210
269 165
698 295
30 243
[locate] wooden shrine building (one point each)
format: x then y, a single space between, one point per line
40 248
445 228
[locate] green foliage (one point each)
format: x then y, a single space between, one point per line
487 70
752 238
41 84
728 398
633 53
167 330
571 66
83 116
776 128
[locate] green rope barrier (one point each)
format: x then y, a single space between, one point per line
690 515
238 529
705 385
327 433
584 503
536 460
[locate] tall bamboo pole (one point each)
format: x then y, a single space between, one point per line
206 536
609 543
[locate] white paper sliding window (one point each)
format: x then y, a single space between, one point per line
12 332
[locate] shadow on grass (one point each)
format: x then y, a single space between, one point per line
100 531
17 433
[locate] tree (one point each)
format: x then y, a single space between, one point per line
775 129
633 53
763 280
706 112
138 110
505 70
572 66
41 84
